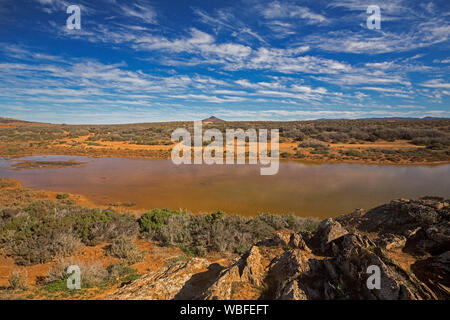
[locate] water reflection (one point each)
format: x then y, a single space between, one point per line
303 189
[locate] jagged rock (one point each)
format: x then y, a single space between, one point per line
437 202
246 274
282 238
289 239
391 241
350 243
440 235
331 263
425 223
400 216
292 292
293 276
284 272
435 272
296 241
163 284
435 239
396 284
328 231
351 221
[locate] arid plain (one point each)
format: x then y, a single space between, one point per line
127 250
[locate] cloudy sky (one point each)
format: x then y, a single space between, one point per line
135 61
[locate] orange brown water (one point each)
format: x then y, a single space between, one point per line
324 190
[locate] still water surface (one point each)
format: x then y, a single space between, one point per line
324 190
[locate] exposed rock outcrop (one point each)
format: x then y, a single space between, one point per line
334 262
246 274
164 284
328 231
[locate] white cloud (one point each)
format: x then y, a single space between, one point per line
367 78
436 83
141 11
282 10
442 61
198 42
382 42
287 52
51 6
225 20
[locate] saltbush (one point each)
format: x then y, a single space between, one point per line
153 220
201 233
44 231
124 248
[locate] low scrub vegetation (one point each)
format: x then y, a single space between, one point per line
200 233
124 248
92 274
45 231
36 138
18 280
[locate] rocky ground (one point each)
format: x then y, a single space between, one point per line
409 240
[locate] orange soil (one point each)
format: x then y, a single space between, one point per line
83 254
45 194
398 144
403 259
128 150
155 256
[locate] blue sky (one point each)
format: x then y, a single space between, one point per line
136 61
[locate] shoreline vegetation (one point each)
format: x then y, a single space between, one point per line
43 232
320 141
29 164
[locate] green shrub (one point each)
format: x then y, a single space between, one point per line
122 272
201 233
96 226
124 248
153 220
39 241
351 153
44 231
56 286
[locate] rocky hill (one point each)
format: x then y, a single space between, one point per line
212 119
409 240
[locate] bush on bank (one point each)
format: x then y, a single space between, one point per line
47 230
201 233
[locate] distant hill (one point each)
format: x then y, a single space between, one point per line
213 119
7 122
11 120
